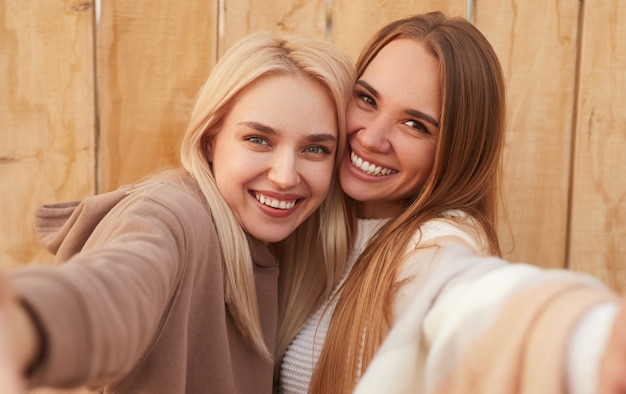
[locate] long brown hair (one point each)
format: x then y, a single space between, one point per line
465 176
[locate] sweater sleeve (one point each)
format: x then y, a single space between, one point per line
100 311
480 324
510 330
457 228
586 348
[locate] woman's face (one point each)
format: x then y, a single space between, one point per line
392 124
273 157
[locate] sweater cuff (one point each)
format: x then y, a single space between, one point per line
586 348
56 312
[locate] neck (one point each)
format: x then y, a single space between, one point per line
378 210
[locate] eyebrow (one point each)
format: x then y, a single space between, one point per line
260 127
269 130
412 112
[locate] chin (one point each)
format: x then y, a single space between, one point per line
269 237
355 191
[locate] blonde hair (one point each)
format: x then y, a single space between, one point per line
251 58
465 176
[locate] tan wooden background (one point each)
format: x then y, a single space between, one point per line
88 105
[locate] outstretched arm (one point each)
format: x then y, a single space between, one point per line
612 374
19 342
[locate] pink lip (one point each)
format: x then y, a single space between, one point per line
278 196
357 173
364 157
276 212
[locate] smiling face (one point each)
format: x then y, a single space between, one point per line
273 156
392 125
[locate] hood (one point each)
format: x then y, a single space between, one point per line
63 228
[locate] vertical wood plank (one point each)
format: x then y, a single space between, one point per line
153 57
537 49
354 22
307 17
598 217
47 108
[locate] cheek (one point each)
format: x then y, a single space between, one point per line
418 163
229 173
319 178
222 173
426 166
354 119
431 157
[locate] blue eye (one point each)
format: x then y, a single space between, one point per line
256 140
317 149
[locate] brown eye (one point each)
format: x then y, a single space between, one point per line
417 125
366 99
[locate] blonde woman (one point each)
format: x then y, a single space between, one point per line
168 285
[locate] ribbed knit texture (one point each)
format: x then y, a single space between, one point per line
304 351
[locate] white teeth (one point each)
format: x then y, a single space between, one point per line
270 202
367 167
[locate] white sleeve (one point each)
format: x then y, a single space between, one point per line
586 347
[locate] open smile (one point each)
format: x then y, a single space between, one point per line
369 168
275 203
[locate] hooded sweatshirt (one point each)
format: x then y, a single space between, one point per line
137 304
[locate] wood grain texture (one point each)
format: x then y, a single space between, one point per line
538 52
564 68
307 17
598 215
152 57
564 63
354 22
47 107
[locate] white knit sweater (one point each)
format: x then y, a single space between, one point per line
472 283
304 351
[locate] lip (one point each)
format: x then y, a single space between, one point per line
277 205
360 174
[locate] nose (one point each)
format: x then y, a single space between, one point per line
283 171
374 134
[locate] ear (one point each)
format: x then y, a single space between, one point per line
209 142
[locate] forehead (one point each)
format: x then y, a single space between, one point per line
287 102
404 72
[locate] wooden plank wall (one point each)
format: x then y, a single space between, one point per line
70 128
86 106
89 106
598 225
47 115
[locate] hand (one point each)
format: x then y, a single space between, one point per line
612 374
10 376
